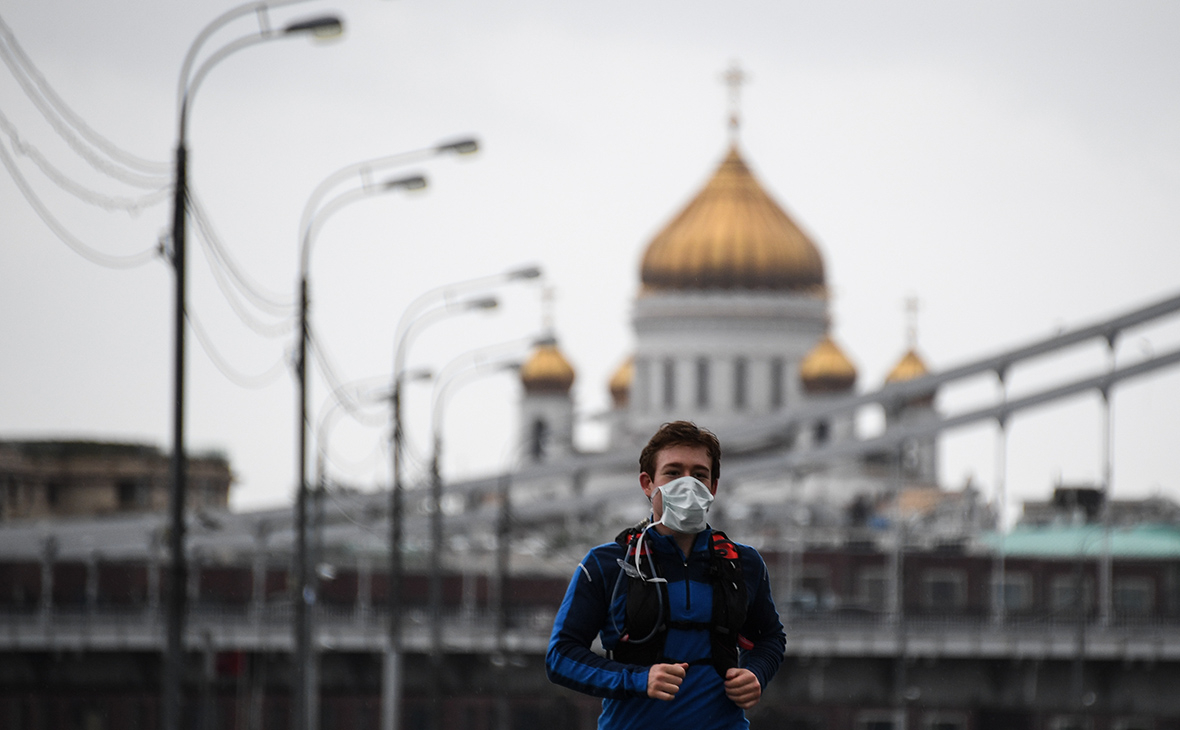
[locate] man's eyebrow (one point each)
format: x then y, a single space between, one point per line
681 465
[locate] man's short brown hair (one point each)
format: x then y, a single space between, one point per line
680 433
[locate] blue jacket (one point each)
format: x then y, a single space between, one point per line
594 606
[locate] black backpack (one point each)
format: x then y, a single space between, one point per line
646 625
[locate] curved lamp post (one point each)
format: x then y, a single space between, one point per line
303 689
186 89
406 330
458 372
416 316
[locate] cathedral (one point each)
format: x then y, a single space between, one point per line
732 328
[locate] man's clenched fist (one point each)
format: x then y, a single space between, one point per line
741 686
663 680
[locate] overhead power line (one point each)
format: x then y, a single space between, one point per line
86 195
264 300
244 380
63 118
91 254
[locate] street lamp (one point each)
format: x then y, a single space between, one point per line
460 371
365 169
414 318
406 330
302 689
186 90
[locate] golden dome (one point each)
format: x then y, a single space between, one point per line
620 383
910 366
826 369
733 236
547 371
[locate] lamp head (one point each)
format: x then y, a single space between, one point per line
415 182
467 146
417 375
482 303
526 272
323 26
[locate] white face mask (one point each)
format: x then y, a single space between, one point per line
686 500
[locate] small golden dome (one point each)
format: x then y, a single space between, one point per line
826 369
910 366
547 371
620 383
733 235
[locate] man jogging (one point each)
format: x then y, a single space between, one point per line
685 615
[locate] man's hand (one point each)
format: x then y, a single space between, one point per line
741 686
663 681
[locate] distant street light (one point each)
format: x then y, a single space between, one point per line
365 169
186 90
416 316
462 370
303 689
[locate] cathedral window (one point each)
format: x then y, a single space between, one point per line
642 385
669 383
777 383
702 382
740 384
537 439
822 433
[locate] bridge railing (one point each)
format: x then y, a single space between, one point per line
219 628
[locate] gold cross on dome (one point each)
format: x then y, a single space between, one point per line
547 296
734 78
911 311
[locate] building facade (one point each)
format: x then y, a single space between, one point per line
51 479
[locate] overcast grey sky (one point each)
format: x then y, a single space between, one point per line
1015 166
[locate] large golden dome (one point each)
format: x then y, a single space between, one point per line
733 236
826 369
547 371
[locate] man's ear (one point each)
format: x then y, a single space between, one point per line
713 487
645 483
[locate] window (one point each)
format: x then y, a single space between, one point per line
537 439
702 382
1065 598
821 433
53 492
643 384
815 580
669 383
944 590
778 395
126 491
871 588
1133 597
740 376
1018 591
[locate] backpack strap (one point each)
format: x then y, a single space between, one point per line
729 602
645 625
